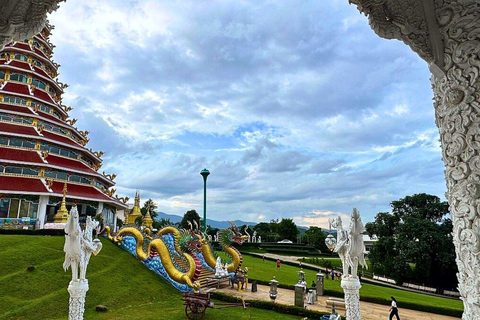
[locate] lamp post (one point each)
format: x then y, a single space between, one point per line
205 174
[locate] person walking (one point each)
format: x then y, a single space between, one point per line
393 309
278 264
263 258
333 274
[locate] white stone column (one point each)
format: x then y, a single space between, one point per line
42 210
78 291
351 288
446 34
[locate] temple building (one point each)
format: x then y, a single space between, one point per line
42 154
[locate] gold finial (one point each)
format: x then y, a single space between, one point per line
62 213
147 220
135 211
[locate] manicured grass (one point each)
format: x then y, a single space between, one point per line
116 280
288 275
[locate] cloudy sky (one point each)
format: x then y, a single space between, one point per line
296 107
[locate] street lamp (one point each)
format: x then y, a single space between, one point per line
205 174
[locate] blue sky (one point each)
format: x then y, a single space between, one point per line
296 107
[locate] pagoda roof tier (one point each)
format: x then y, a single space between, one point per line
20 45
59 137
16 88
40 56
19 65
37 93
71 164
26 111
43 73
84 192
20 155
22 91
26 68
35 185
22 185
32 157
19 130
19 109
29 132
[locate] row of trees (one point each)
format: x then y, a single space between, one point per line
415 242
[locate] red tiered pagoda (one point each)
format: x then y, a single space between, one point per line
40 149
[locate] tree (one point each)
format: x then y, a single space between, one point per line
287 229
190 215
162 223
263 229
152 206
316 237
415 242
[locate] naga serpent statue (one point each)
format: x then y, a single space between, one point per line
226 237
186 244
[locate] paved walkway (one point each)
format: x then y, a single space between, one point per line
369 311
296 259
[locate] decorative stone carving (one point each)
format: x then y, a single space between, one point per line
23 19
78 248
351 288
350 248
452 28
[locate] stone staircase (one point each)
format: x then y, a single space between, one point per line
203 278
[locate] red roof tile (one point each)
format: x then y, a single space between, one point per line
57 137
20 64
41 72
8 107
21 184
42 95
81 191
20 155
22 45
50 117
69 164
14 128
37 51
16 88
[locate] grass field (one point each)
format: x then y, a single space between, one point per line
116 280
288 275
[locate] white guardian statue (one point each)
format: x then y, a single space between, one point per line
350 249
78 248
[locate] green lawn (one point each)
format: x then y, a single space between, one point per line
116 280
288 275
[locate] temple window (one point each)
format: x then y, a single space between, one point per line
2 74
17 142
37 63
39 84
60 151
21 170
19 77
19 208
15 100
21 57
36 44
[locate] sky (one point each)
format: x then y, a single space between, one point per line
296 108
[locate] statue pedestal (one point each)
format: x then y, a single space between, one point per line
351 288
78 291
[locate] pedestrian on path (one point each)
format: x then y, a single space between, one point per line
278 264
333 274
263 258
393 309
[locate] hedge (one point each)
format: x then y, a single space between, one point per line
39 232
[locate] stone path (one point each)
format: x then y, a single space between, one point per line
369 311
296 259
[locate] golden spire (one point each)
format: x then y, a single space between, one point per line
135 211
147 220
62 213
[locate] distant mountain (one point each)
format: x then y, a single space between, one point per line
213 223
